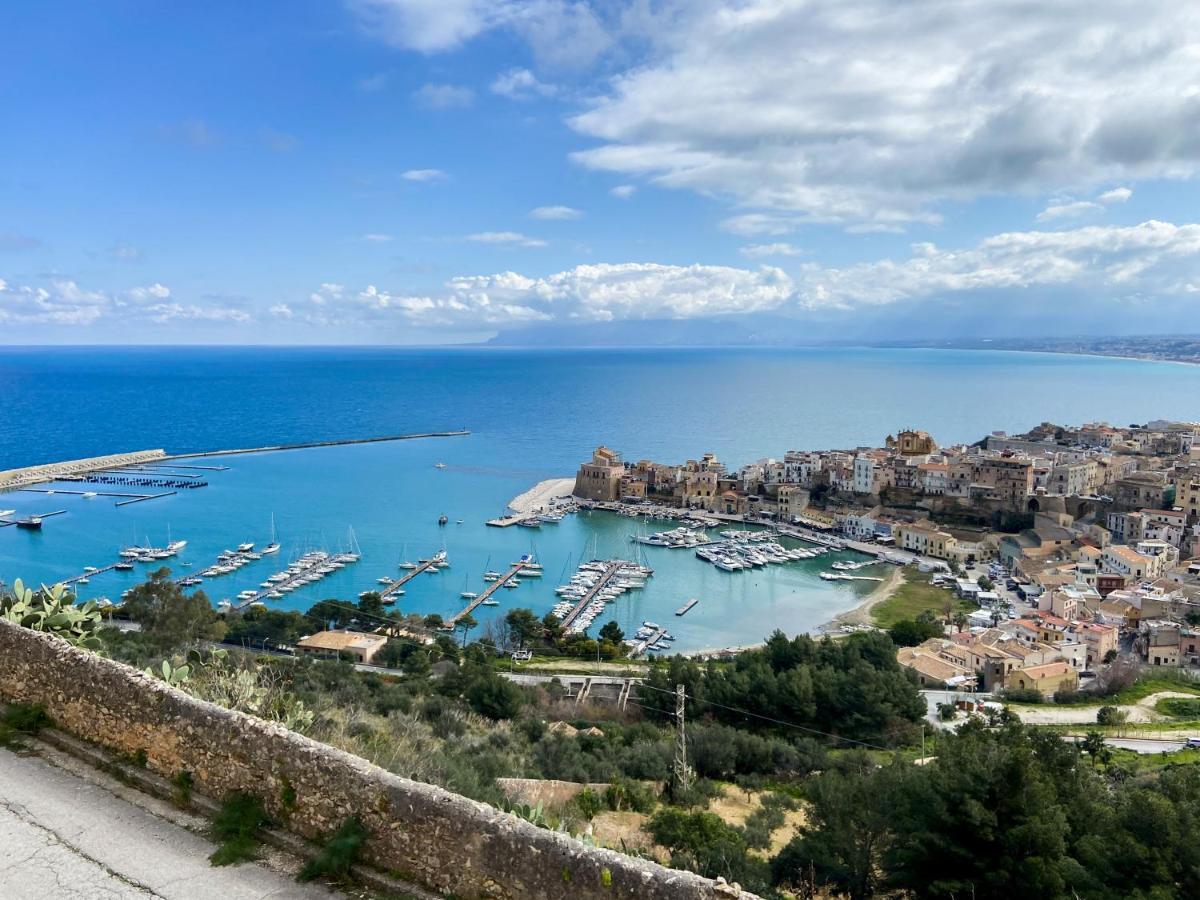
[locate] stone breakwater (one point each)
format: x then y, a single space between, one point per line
425 834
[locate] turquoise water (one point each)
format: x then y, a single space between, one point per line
533 415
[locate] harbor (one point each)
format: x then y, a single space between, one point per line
357 486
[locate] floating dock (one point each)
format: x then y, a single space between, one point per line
409 576
4 523
648 644
686 608
491 589
601 582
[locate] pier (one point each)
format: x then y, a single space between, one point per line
127 497
311 444
491 589
505 521
88 575
601 582
407 577
648 644
4 523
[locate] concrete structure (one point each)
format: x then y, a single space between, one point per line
436 839
15 478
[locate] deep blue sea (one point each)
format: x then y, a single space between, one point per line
532 415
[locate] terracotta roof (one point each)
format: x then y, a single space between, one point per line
1047 670
341 640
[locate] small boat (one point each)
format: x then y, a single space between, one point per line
88 495
274 595
512 583
442 520
32 523
490 602
123 566
530 523
90 570
175 546
83 579
408 565
468 595
384 580
224 606
439 465
246 547
491 576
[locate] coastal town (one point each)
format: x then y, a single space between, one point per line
1059 549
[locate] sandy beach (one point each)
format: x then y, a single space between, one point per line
539 496
861 614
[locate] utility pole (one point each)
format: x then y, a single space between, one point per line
683 774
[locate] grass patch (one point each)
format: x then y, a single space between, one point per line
916 595
335 859
235 828
1179 707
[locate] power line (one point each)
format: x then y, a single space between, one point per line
754 715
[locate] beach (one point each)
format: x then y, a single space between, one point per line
860 614
539 496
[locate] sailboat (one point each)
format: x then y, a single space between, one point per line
272 547
406 563
466 594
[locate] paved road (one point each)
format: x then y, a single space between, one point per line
63 836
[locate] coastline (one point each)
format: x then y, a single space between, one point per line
539 496
860 613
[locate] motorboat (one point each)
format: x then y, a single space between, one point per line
246 547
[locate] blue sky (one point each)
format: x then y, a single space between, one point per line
408 171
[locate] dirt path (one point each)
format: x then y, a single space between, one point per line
1140 712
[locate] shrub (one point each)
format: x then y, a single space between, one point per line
588 803
235 829
1022 695
339 854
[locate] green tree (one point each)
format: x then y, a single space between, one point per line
847 830
466 623
612 632
495 697
524 626
1093 745
171 617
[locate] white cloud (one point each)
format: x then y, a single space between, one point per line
443 96
281 310
506 237
1116 195
126 252
751 224
1152 258
376 238
855 111
154 291
1068 210
623 191
556 212
596 293
424 175
564 33
163 313
761 251
521 84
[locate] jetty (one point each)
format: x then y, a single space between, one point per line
491 589
505 521
606 576
307 445
649 643
686 608
409 576
88 575
28 521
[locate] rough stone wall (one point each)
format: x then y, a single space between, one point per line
427 835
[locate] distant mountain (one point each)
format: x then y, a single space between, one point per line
741 331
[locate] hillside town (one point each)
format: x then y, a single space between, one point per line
1062 548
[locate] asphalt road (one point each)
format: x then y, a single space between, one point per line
63 836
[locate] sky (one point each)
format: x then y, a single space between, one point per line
442 171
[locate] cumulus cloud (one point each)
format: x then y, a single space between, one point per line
556 212
871 111
761 251
424 175
1116 195
595 293
521 84
154 291
623 191
1150 258
63 301
506 237
443 96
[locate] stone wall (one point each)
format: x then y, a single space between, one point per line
427 835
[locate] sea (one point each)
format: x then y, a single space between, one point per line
532 415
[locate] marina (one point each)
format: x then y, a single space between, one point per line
396 588
595 584
483 599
